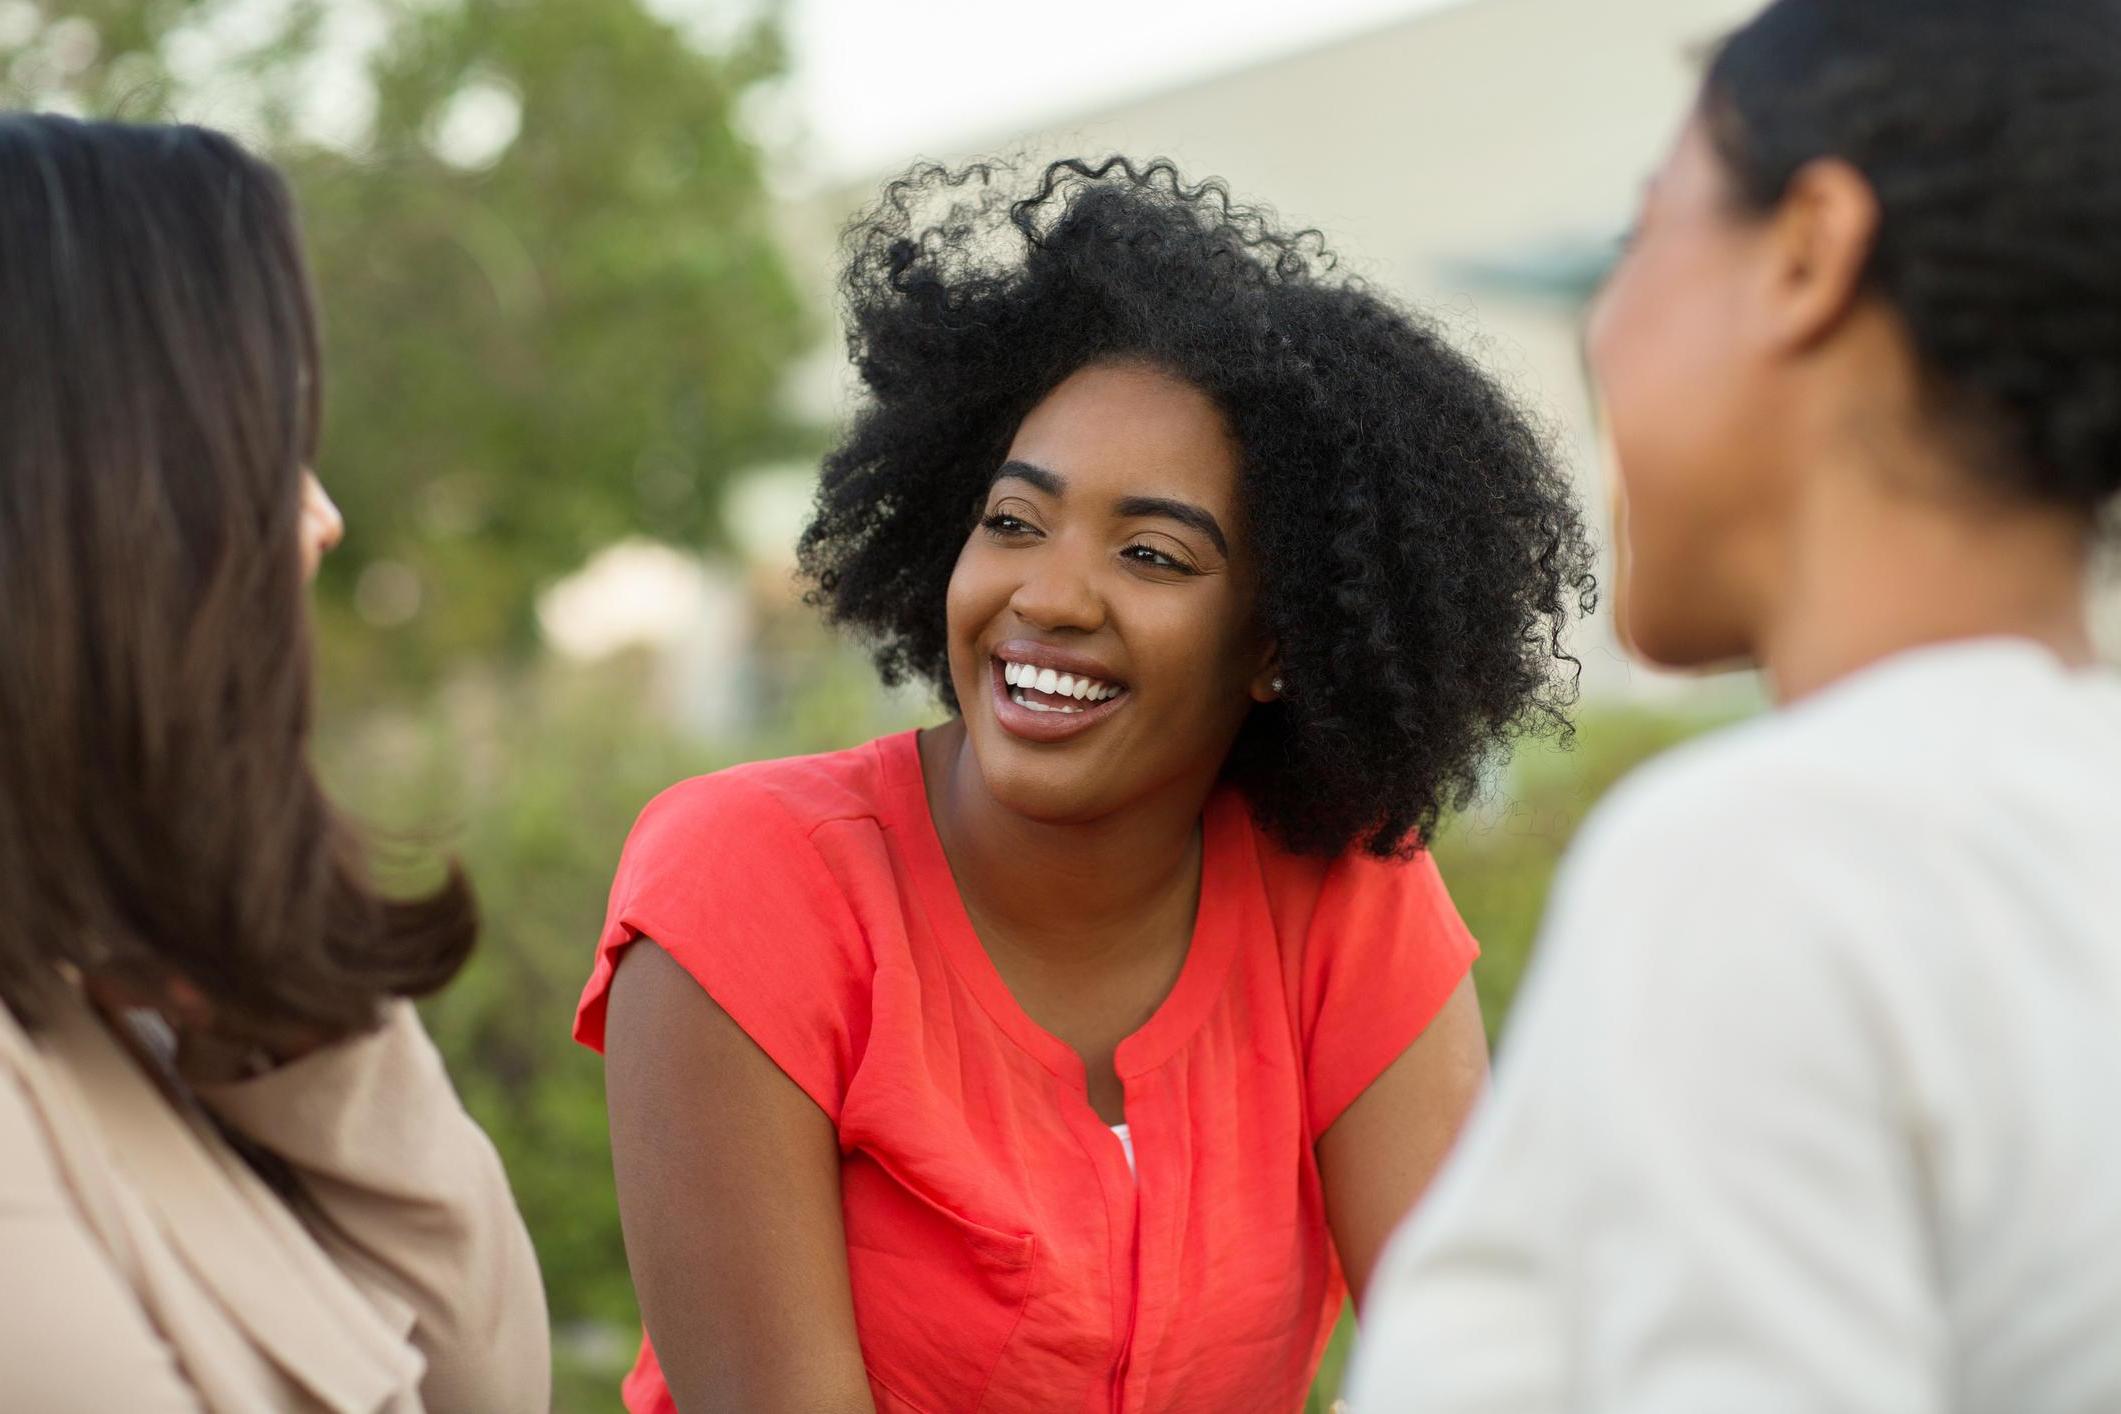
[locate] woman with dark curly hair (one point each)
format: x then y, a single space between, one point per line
1072 1054
1811 1103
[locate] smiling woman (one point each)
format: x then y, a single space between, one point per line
1416 548
1121 1015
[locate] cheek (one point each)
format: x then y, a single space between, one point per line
974 594
1682 422
1641 350
1202 648
1662 358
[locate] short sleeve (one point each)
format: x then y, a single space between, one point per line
1384 951
725 879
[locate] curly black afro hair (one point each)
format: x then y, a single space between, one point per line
1420 552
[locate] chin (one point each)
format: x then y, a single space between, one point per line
1684 647
1049 796
1672 631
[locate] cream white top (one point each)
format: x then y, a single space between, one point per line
1813 1102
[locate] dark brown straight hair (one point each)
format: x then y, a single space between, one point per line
160 818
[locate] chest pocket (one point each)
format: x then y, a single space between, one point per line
936 1295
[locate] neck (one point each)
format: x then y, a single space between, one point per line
1872 569
1066 891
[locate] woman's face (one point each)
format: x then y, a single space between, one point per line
1103 643
1689 413
321 526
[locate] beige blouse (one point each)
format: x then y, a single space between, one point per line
145 1267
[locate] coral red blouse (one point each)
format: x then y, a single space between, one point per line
1001 1256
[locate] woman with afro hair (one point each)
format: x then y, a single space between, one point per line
1080 1052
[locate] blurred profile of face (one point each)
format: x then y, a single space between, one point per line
321 526
1690 415
1102 634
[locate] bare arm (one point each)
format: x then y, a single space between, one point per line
1380 1154
729 1196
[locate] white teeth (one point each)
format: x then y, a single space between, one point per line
1055 683
1022 701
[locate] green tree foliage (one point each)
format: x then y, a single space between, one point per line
555 311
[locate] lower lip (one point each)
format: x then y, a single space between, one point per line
1021 721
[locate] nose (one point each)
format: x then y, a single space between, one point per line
322 525
1059 592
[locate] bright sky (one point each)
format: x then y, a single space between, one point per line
873 82
877 81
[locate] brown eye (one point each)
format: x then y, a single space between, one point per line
1156 559
1005 527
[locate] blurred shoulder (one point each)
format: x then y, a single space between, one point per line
1933 738
1770 858
1796 781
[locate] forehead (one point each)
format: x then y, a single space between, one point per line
1691 173
1126 429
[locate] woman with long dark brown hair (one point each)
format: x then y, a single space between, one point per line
233 1173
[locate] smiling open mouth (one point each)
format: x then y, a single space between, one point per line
1045 690
1049 695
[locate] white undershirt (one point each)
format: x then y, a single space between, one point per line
1126 1143
1813 1102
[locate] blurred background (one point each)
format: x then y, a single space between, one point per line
577 260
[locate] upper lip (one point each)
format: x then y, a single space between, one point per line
1061 660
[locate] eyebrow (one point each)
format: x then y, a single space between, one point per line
1160 507
1050 482
1184 512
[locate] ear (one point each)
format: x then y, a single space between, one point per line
1267 680
1820 240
